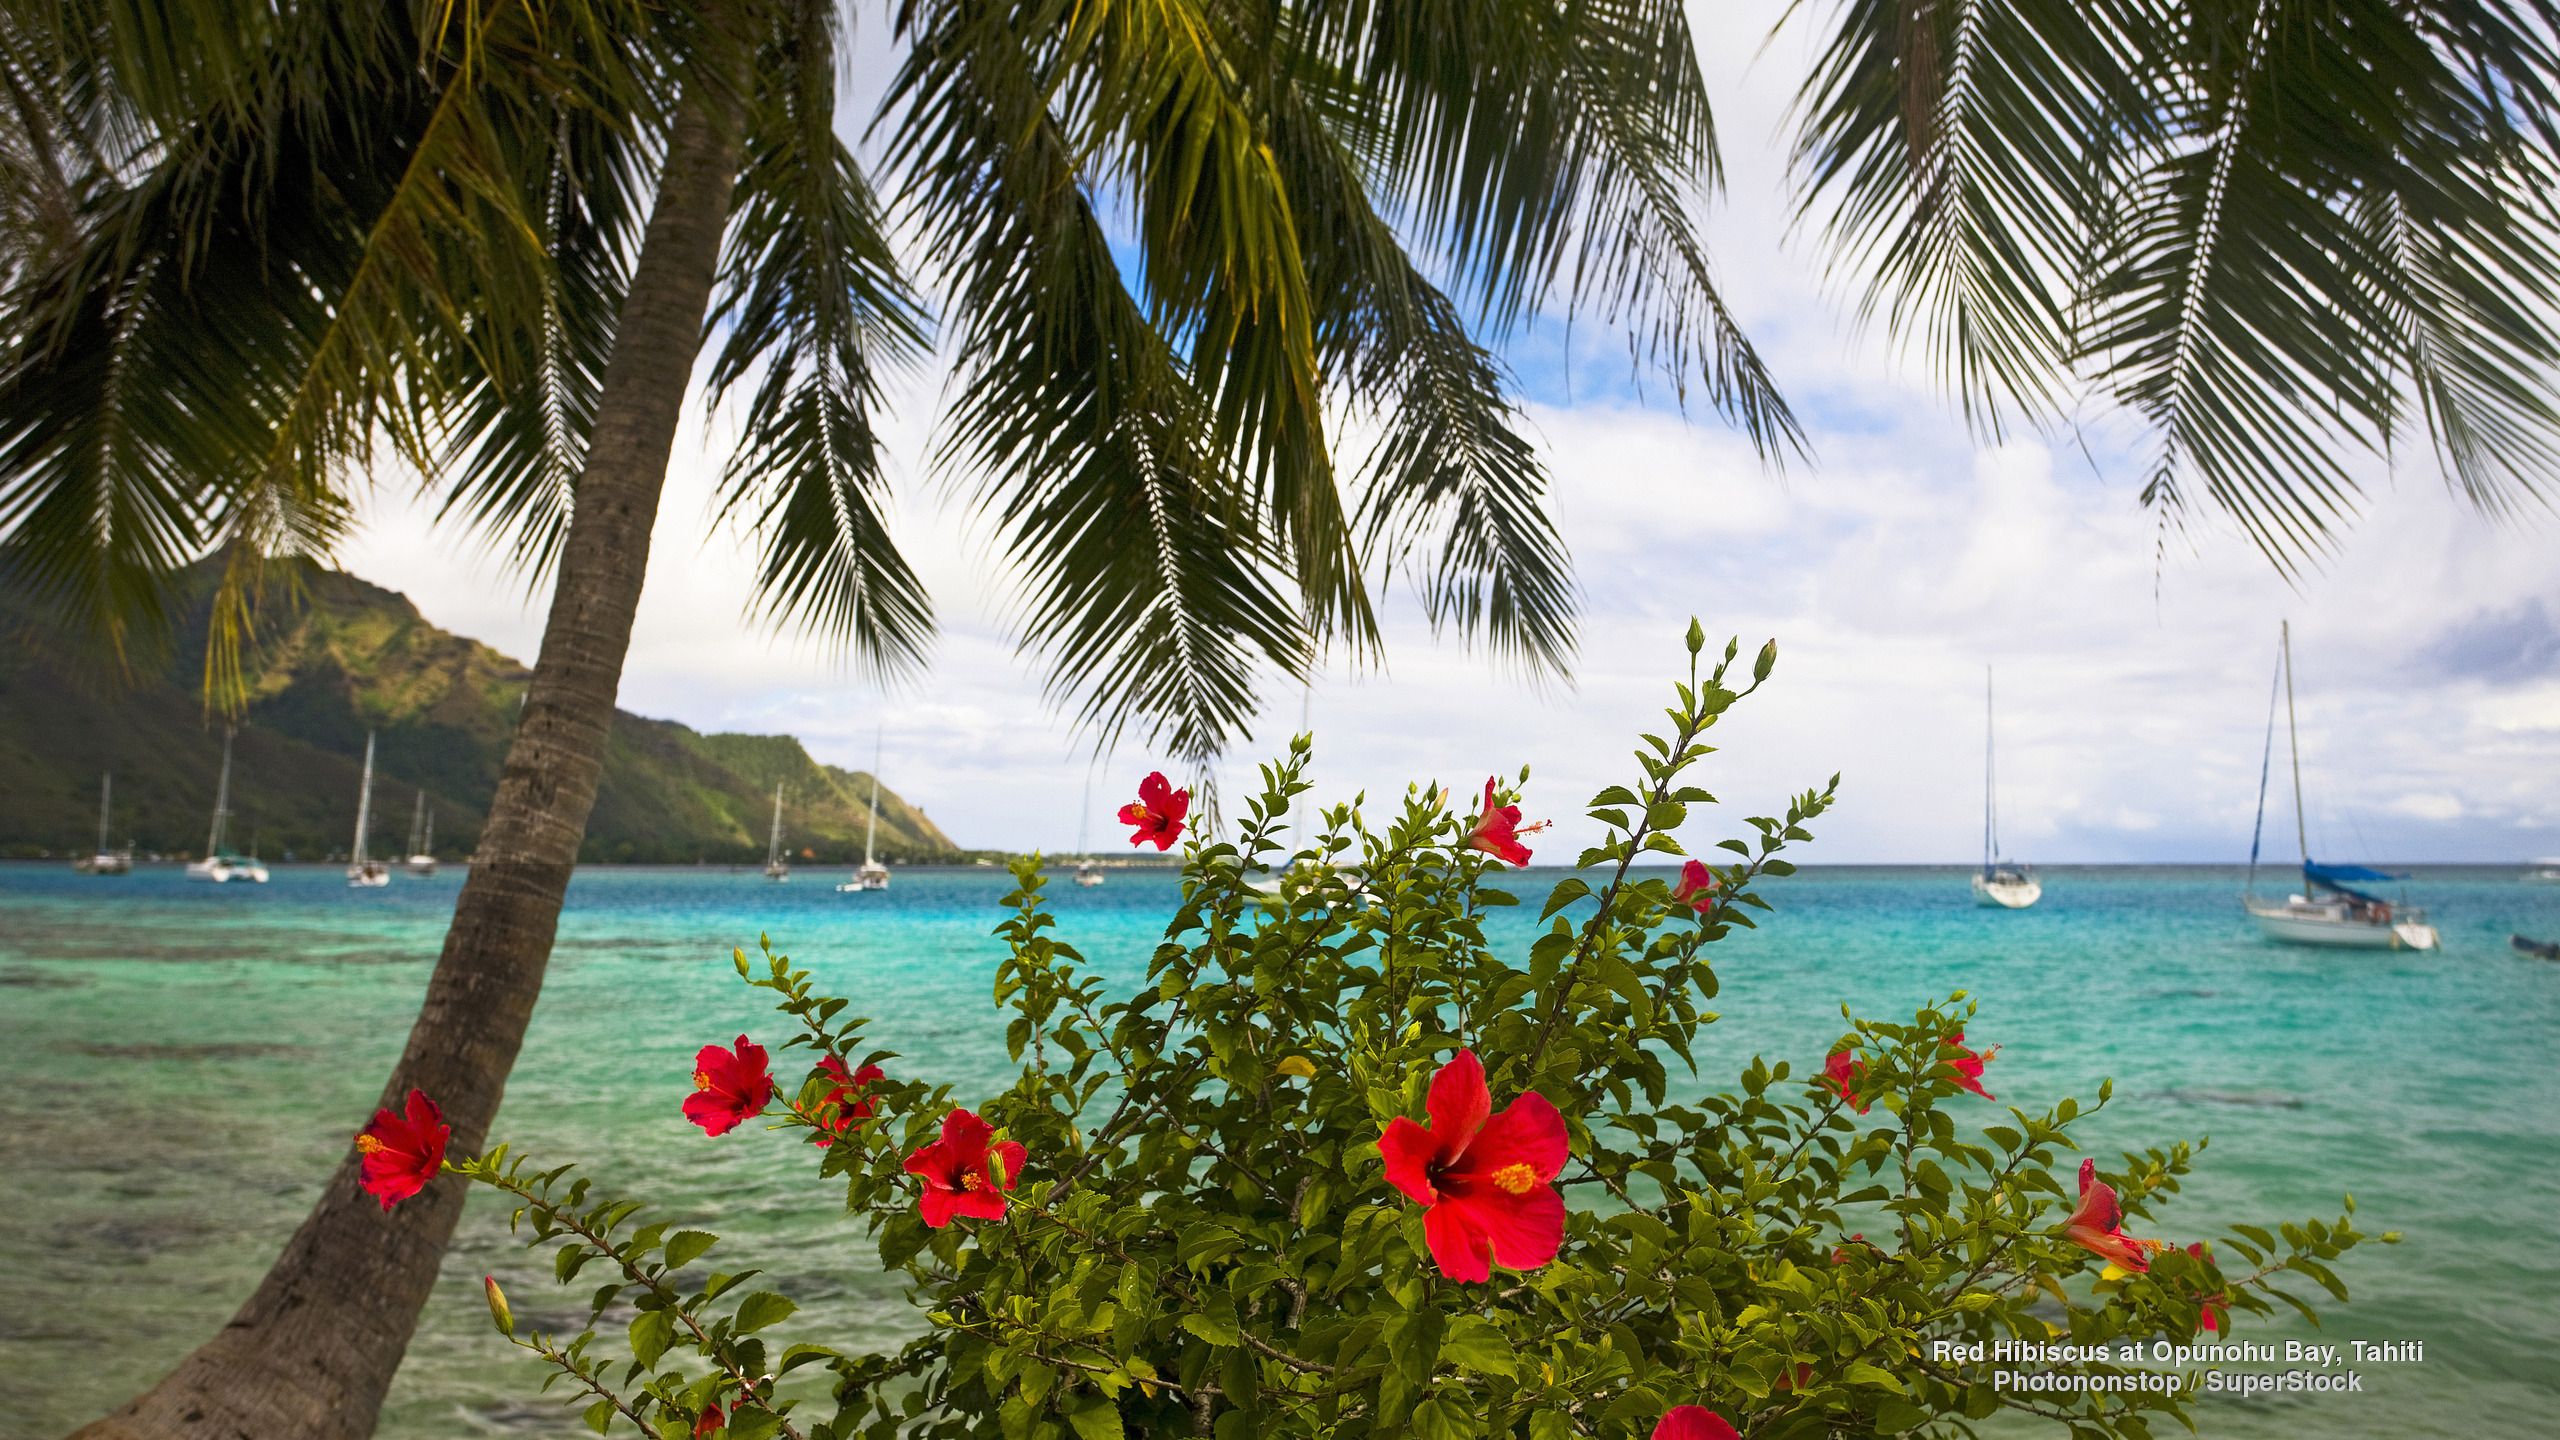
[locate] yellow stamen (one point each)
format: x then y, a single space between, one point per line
1516 1178
367 1145
701 1079
973 1182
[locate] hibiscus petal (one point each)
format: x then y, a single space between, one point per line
1526 1230
931 1161
1459 1104
714 1113
1008 1158
978 1204
1408 1151
937 1205
1462 1251
425 1115
964 1137
1527 1132
1694 1422
1155 790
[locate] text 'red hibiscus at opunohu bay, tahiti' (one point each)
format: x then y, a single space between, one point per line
1158 812
1497 830
962 1173
729 1086
403 1152
1487 1181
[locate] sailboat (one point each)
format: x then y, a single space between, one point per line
422 838
106 861
873 875
363 873
1088 873
218 865
776 868
2007 884
2330 910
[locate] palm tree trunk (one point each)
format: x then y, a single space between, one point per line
311 1353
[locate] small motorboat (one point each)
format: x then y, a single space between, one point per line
2538 949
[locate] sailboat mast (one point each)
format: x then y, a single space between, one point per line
1990 788
2293 744
221 797
364 801
417 819
106 787
773 845
871 827
1084 811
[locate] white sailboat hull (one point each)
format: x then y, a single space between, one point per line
2301 922
422 866
223 869
2007 894
370 875
872 876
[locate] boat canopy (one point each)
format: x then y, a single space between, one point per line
2345 874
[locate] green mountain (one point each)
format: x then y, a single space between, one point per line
348 656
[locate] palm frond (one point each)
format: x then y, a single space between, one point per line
815 307
1553 154
1154 595
2274 231
1450 491
1954 148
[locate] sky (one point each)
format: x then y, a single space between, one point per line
2133 684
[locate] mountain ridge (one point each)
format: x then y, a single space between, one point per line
337 655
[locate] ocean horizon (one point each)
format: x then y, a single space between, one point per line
181 1064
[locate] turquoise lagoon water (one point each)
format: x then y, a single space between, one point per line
180 1065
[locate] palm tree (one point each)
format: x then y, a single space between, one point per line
259 249
2269 232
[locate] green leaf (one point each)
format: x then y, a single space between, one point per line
1212 1329
652 1331
1094 1417
761 1309
599 1415
686 1246
1476 1344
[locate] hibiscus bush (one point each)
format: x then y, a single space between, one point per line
1340 1168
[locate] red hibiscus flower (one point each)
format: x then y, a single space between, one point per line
2217 1306
1158 812
962 1173
1968 1066
403 1152
710 1422
1487 1180
1843 1072
1497 830
2097 1225
848 1103
728 1087
1694 1422
1697 888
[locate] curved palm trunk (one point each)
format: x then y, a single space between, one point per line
311 1353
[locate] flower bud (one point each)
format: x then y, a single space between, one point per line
498 1310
